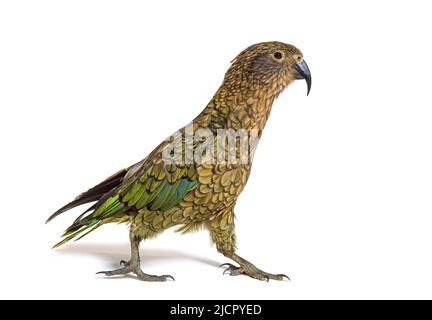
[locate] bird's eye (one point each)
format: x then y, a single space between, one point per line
278 55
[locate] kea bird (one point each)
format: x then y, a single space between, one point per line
181 183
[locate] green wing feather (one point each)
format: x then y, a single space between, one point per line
159 187
152 184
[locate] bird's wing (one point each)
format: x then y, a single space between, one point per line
158 185
153 184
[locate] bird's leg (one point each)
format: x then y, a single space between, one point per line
222 232
135 259
133 265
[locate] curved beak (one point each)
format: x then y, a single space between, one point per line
304 73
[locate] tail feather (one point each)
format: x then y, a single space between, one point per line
93 194
72 235
100 193
104 211
92 208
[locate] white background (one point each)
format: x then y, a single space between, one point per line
340 194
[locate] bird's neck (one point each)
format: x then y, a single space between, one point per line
231 108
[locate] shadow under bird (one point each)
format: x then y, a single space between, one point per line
159 193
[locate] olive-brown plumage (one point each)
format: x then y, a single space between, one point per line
170 188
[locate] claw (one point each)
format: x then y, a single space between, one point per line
229 265
169 277
123 263
284 276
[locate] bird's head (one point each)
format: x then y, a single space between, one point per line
268 67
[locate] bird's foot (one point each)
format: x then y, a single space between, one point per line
134 268
124 263
252 271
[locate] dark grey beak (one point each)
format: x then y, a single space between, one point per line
304 73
